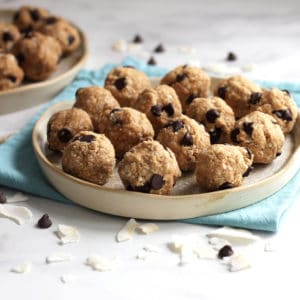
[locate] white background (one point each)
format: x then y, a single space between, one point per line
262 32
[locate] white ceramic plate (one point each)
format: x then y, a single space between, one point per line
187 201
31 94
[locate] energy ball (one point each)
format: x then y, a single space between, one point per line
161 105
98 103
126 127
240 94
64 125
189 82
281 106
66 34
149 168
126 83
186 138
223 166
11 75
89 156
27 17
9 34
38 55
261 133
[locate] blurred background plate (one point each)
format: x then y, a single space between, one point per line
32 94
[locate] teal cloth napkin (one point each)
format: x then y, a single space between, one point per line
19 168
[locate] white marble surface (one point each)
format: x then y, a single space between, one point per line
262 32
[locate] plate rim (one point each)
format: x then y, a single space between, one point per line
40 84
37 149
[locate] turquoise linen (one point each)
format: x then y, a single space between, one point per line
19 168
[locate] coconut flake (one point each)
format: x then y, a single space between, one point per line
100 263
18 214
218 243
68 234
120 46
220 68
151 248
187 50
127 231
58 257
147 228
205 252
67 278
240 236
22 268
18 197
249 67
238 262
133 47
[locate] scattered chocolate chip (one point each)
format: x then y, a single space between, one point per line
248 171
130 67
278 154
231 56
64 135
225 186
187 140
169 109
152 61
212 115
215 135
12 78
71 39
156 182
181 77
255 98
120 83
176 125
34 14
234 133
146 188
287 92
44 222
137 39
50 20
190 98
225 251
156 110
7 36
249 152
284 114
85 138
2 198
20 58
78 91
159 48
248 127
222 92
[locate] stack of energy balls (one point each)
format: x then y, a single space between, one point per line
33 45
156 133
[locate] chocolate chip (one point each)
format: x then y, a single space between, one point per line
34 14
225 251
137 39
181 77
159 48
78 91
234 133
176 125
64 135
156 182
287 92
146 188
225 186
156 110
248 127
7 36
212 115
278 154
215 135
85 138
248 171
71 39
44 222
12 78
50 20
120 83
187 140
249 152
231 56
255 98
284 114
190 98
3 198
169 109
27 30
222 92
20 58
152 61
